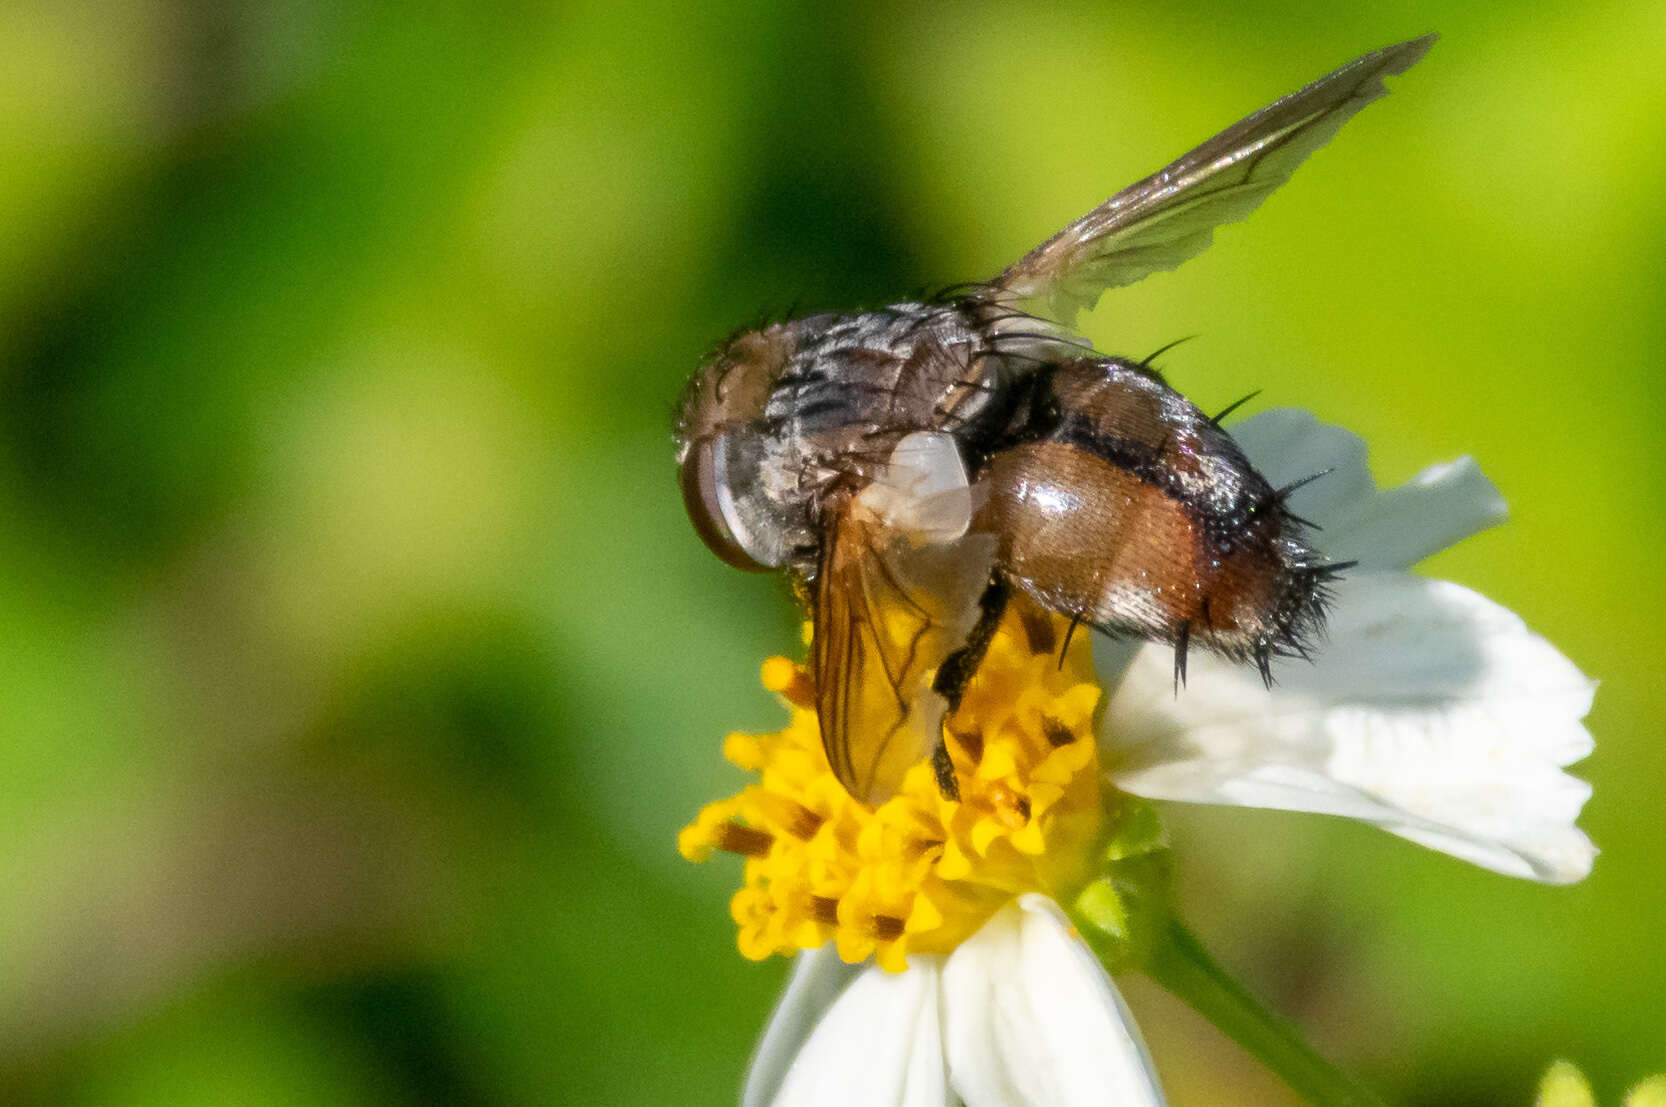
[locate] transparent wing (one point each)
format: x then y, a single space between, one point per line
1170 216
887 613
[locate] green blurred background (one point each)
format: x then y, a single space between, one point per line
360 666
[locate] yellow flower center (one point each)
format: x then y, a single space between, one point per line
921 872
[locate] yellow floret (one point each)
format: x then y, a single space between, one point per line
921 872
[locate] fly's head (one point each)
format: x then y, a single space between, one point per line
725 457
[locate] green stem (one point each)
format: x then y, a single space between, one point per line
1179 963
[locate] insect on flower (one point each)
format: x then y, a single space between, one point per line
911 467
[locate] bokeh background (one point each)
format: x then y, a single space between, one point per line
360 666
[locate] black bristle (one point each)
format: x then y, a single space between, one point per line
1233 406
1070 632
1308 523
1161 350
1181 641
1299 625
1284 493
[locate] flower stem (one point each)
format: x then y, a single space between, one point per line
1180 964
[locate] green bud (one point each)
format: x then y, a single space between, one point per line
1124 909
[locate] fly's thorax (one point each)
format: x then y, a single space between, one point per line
904 368
860 387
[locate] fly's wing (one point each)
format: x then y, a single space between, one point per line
887 612
1170 216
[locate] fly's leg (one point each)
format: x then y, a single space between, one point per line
943 766
957 670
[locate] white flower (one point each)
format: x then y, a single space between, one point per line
1429 711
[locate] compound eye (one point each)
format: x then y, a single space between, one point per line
711 503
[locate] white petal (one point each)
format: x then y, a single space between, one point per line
818 976
878 1044
1398 527
1379 528
1287 444
1430 711
1030 1018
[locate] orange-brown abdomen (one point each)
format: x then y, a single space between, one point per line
1122 505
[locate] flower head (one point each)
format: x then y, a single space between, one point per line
1430 711
921 872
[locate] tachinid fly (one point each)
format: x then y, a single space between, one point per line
911 467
